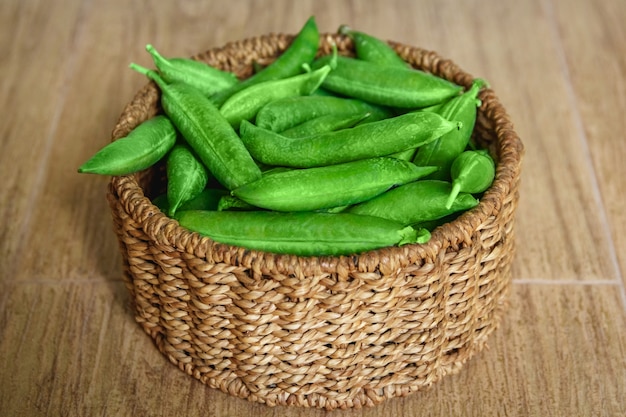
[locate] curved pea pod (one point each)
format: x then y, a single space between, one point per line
442 151
186 176
207 132
363 141
385 85
372 49
329 186
324 124
302 233
280 115
144 146
245 104
209 80
415 202
302 50
208 199
472 172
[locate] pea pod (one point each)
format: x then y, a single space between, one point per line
145 145
302 50
303 233
284 114
229 202
364 141
444 150
329 186
386 85
324 124
208 199
207 132
245 104
209 80
186 176
472 172
416 202
372 49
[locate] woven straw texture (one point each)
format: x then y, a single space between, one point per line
327 332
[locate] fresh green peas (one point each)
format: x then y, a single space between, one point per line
245 104
186 176
207 79
372 49
367 140
329 186
145 145
207 132
444 150
302 50
472 172
302 233
386 85
280 115
415 202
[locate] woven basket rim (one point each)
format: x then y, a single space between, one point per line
168 233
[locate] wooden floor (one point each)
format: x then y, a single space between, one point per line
69 345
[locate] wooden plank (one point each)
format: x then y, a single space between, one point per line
36 45
559 351
596 67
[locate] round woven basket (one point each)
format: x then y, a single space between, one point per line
327 332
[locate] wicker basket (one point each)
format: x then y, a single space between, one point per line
327 332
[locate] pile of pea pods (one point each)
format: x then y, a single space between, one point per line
311 155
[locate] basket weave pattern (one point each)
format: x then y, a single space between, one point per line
328 332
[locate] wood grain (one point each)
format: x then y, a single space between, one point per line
69 344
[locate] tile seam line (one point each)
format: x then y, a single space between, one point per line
69 70
583 140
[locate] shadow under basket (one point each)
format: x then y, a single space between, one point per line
326 332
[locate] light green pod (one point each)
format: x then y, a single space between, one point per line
472 172
372 49
329 186
280 115
245 104
303 233
144 146
414 203
324 124
364 141
207 79
443 151
186 176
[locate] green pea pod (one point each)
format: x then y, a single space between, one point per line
442 151
472 172
280 115
245 104
302 50
364 141
415 202
386 85
372 49
144 146
329 186
208 199
207 132
324 124
209 80
303 233
186 176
